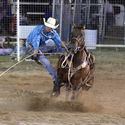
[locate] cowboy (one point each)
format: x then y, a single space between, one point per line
44 35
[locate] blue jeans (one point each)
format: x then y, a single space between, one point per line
45 62
48 66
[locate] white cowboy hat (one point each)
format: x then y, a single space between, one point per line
50 23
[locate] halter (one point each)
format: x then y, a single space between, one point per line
76 43
78 48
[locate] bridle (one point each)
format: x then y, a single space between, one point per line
76 47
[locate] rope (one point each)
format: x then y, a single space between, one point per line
49 53
69 71
22 61
14 65
66 57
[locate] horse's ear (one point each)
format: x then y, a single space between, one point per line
84 26
74 26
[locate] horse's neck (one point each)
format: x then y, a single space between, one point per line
79 58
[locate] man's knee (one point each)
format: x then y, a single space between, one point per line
44 60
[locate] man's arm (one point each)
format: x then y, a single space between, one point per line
36 43
57 39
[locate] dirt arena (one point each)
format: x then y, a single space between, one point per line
25 96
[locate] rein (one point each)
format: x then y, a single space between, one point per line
69 71
65 61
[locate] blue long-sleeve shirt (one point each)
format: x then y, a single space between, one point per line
37 38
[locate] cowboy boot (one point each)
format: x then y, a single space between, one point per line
57 86
56 89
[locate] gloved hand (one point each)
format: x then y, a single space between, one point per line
35 52
63 44
34 57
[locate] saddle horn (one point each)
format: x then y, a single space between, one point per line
84 26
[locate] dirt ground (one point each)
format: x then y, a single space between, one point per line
25 100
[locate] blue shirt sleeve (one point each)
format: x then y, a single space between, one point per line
34 37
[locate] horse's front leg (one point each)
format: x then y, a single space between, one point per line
75 89
75 94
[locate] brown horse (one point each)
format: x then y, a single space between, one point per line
75 69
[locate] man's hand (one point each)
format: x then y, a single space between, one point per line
35 52
64 45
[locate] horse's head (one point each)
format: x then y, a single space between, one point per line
77 38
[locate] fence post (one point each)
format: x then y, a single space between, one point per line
61 11
53 11
74 11
124 27
18 31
